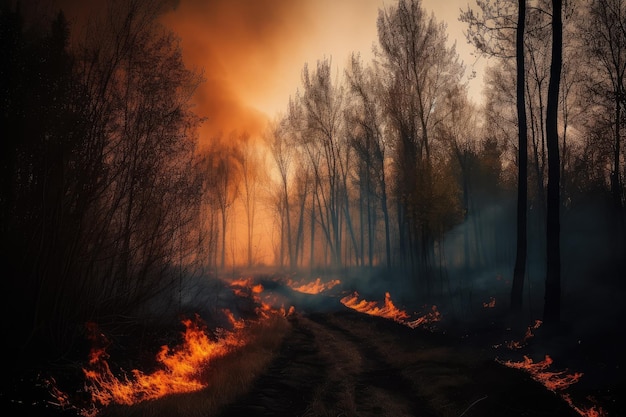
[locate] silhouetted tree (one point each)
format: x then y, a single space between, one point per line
492 33
552 306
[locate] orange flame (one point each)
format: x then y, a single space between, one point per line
554 381
179 373
433 316
389 310
491 303
585 412
266 303
314 287
518 344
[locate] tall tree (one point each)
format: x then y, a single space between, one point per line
420 70
519 270
322 102
552 306
365 120
604 38
492 34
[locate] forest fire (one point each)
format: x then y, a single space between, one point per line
314 287
389 310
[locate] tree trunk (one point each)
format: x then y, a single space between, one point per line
522 183
552 306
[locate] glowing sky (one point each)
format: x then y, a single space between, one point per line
252 51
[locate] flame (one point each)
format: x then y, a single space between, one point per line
314 287
585 412
518 344
433 316
554 381
491 303
266 304
179 371
389 310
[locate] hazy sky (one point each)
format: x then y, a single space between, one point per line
252 51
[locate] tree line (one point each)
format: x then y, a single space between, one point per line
100 195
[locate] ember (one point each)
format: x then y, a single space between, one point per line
491 303
267 303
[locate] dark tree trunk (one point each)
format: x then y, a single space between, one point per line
552 306
522 182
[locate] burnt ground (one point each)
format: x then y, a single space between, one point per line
350 364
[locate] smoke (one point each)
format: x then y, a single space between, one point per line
239 46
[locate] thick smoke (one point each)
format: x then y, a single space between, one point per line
238 45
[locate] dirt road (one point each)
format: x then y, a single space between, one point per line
350 364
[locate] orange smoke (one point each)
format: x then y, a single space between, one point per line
239 46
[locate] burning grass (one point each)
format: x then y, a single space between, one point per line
217 363
389 311
555 381
179 368
313 287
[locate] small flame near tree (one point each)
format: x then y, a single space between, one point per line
267 304
389 310
491 303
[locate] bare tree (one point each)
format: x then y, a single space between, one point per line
322 102
366 123
420 69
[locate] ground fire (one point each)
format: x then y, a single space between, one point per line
555 381
179 367
389 310
314 287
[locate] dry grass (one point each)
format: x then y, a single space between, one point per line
227 378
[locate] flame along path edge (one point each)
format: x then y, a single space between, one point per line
351 364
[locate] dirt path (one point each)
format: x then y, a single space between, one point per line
349 364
